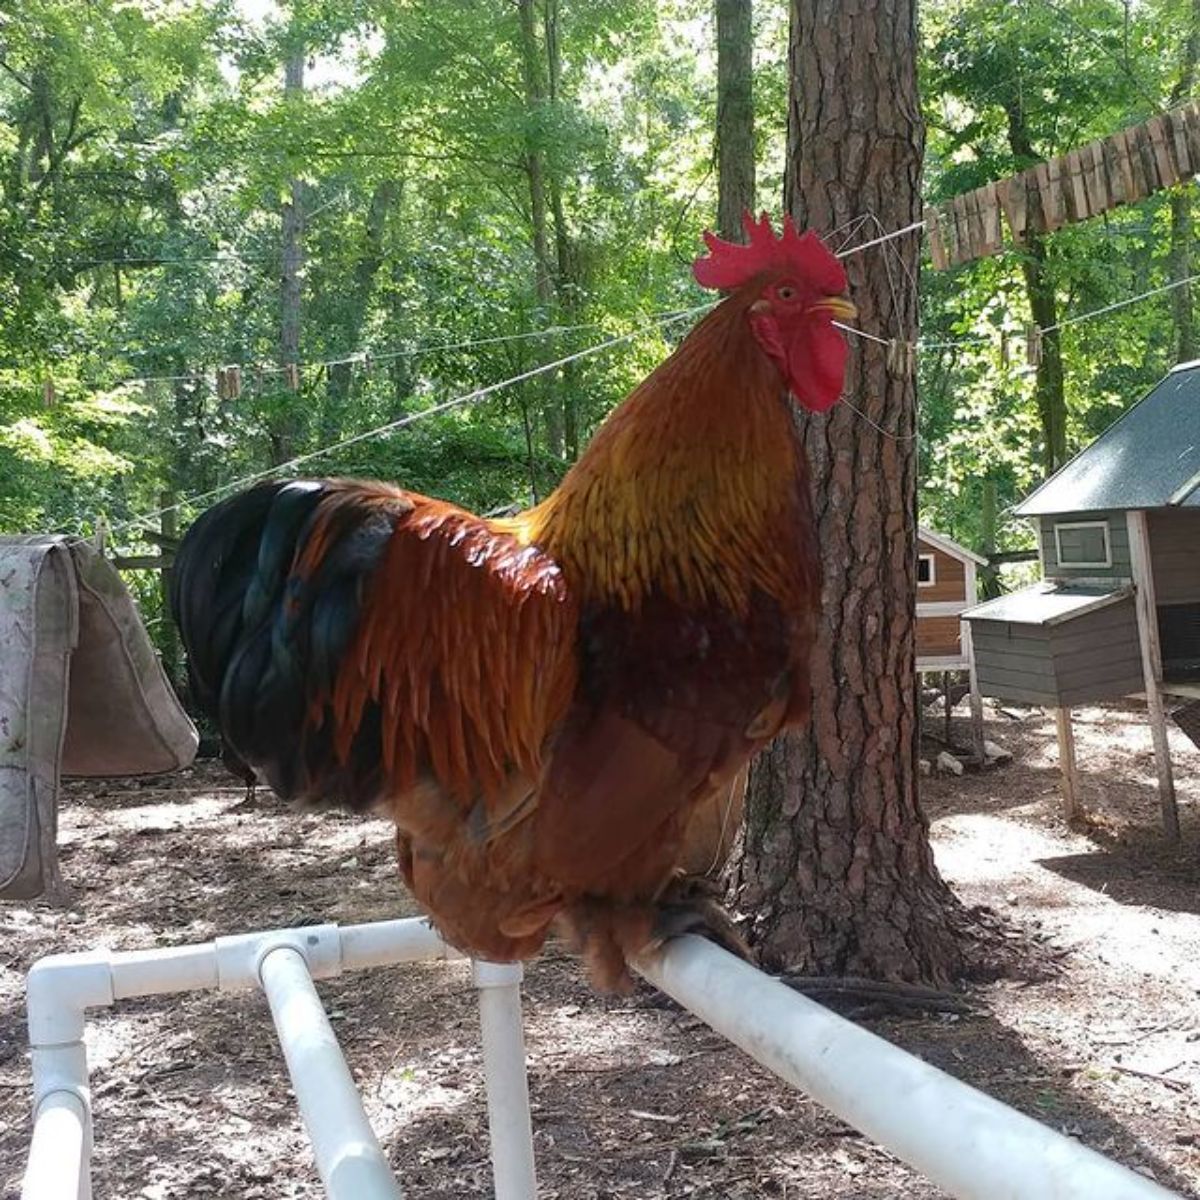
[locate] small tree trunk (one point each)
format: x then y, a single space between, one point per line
168 641
535 167
567 281
363 278
283 434
735 115
837 873
1179 259
989 576
1049 390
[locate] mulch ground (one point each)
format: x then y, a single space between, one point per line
631 1098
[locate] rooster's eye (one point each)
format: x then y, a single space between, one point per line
786 293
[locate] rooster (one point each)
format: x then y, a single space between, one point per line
542 703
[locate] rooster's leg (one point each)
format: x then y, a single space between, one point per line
609 935
691 904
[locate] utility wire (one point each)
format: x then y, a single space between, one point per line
401 422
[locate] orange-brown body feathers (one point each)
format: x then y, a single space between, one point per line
541 703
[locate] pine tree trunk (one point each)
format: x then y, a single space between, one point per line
836 870
735 116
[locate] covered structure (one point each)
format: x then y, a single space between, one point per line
946 588
85 695
1118 612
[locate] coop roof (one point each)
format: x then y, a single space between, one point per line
1148 458
1047 603
951 547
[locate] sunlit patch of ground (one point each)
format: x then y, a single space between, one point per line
631 1098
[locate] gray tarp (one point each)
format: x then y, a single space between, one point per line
81 693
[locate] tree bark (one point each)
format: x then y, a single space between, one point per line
283 434
365 273
535 166
735 115
567 283
1179 259
1049 390
836 870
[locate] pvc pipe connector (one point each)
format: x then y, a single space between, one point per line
59 988
239 957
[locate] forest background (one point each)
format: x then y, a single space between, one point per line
235 232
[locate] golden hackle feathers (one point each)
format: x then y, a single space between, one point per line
683 488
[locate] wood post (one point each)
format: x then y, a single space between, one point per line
976 698
1147 621
1066 761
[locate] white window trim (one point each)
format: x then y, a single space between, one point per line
1075 566
932 580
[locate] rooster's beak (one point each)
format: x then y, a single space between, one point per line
837 306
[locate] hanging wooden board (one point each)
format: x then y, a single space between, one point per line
1123 168
1095 178
937 245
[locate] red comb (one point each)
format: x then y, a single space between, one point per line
730 264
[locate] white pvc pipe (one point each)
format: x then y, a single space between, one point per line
349 1159
384 943
971 1145
61 987
58 1154
511 1131
59 1164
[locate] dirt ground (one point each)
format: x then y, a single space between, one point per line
630 1098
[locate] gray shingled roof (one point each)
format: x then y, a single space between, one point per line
1047 603
1148 458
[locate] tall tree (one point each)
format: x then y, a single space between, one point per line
735 115
535 167
836 868
291 293
1187 346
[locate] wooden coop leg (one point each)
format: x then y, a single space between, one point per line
1147 621
976 697
948 703
1066 762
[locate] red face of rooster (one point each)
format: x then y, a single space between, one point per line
798 285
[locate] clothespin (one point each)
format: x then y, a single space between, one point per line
1004 359
258 377
291 373
233 381
222 384
368 365
901 358
1033 345
48 393
100 534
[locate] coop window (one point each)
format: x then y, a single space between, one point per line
1083 544
926 574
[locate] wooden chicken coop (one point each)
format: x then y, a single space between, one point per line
946 588
1118 610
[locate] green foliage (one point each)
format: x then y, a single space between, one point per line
146 152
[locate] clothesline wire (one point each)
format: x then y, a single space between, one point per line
401 422
479 393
